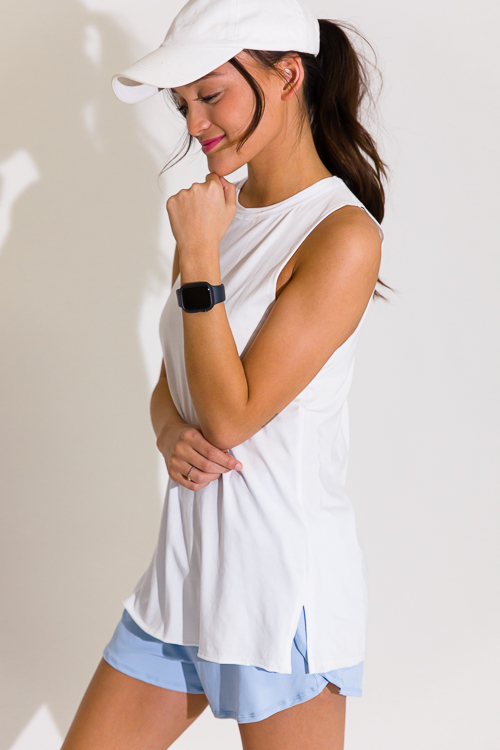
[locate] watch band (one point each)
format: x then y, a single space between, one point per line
219 293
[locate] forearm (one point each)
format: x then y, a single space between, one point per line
162 408
215 373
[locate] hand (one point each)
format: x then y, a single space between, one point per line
201 215
182 446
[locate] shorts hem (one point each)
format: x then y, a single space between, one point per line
352 692
265 713
144 677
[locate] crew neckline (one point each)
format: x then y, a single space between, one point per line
292 200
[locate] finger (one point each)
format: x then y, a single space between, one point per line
196 476
180 479
205 463
179 475
211 452
193 438
229 191
191 484
181 465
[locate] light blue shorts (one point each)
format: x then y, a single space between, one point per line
234 691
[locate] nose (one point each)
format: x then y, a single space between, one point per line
197 123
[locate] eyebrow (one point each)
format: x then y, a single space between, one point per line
208 75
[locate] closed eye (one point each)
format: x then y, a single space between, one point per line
206 99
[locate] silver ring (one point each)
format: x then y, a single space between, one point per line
189 472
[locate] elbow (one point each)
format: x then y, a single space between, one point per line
222 439
225 436
228 433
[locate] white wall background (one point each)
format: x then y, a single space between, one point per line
85 258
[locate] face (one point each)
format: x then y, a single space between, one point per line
219 109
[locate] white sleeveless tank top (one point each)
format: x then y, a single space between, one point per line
236 561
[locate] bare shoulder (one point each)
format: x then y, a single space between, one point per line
348 232
336 269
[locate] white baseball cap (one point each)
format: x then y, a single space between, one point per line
207 33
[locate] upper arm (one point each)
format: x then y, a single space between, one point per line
315 313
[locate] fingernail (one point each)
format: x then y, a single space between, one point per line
238 466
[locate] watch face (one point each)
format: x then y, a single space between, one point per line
196 298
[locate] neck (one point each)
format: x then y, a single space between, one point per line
281 170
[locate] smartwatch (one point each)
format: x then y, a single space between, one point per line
199 296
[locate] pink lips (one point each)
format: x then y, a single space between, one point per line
209 144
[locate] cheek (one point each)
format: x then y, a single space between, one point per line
235 117
234 114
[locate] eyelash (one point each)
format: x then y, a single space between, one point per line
207 99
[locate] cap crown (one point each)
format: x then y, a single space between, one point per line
247 24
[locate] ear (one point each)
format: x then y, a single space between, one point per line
291 68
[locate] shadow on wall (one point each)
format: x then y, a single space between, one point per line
79 474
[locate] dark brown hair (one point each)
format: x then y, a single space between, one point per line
336 84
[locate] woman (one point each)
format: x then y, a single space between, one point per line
255 599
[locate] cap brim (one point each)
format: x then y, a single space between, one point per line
167 67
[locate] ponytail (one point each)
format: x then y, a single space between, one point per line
335 86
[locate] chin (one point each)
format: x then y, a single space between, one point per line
224 166
221 169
